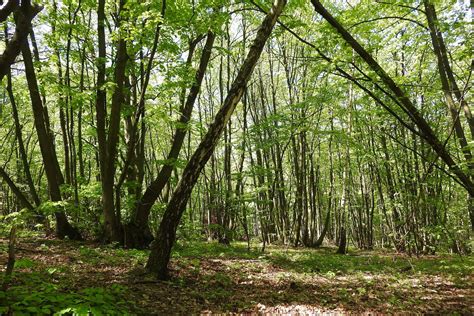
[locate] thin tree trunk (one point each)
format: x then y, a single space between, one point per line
21 197
403 100
416 117
21 144
11 259
100 104
451 90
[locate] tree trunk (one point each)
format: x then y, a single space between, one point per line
451 90
342 248
48 151
320 240
138 234
23 17
161 247
108 142
24 201
21 144
402 100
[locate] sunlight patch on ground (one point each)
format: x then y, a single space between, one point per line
211 279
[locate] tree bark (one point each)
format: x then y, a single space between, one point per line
8 8
101 96
320 239
23 17
108 140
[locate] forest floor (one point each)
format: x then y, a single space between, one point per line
77 277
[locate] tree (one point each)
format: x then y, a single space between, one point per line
140 235
45 137
402 99
161 247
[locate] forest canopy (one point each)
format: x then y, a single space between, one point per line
142 124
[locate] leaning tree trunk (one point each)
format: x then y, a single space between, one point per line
161 247
13 49
451 91
137 232
403 100
320 240
48 152
327 221
24 14
20 196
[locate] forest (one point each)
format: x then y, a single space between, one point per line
236 157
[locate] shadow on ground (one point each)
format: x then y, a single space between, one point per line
210 278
